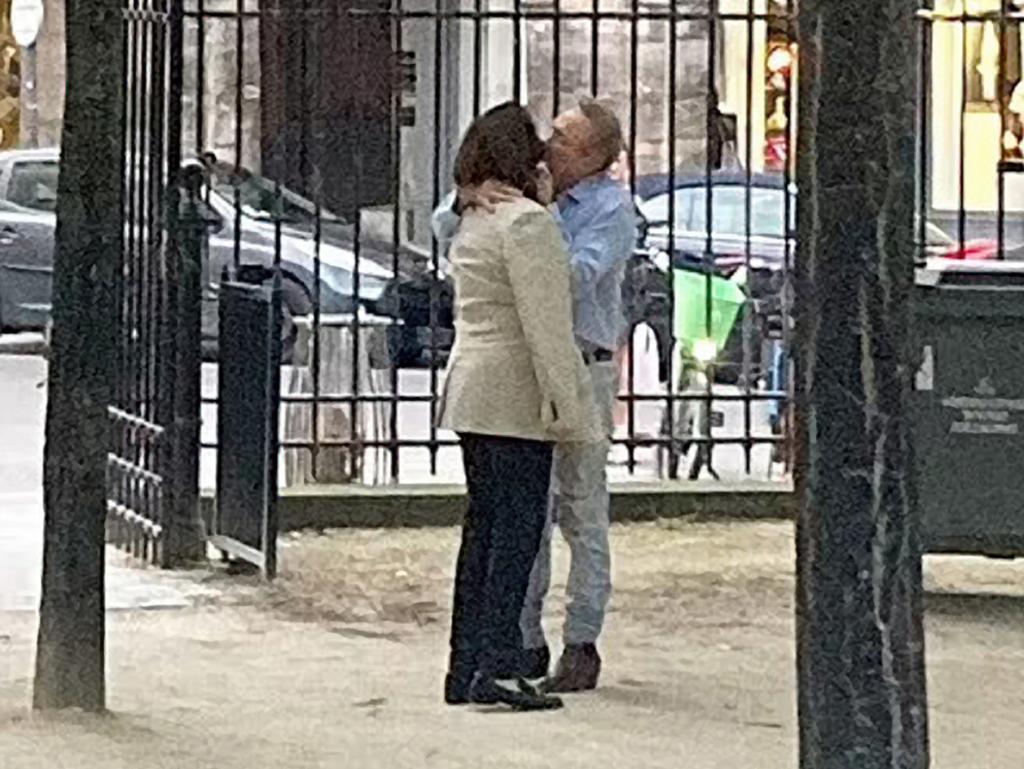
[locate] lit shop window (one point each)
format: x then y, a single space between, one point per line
977 115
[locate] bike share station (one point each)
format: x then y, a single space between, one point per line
728 379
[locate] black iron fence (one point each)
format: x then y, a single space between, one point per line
153 465
328 132
321 138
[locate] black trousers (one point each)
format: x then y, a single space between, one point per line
508 481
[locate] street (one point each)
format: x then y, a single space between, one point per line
24 372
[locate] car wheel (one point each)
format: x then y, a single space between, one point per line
295 303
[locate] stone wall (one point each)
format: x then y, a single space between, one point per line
217 93
615 76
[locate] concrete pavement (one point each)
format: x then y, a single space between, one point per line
22 419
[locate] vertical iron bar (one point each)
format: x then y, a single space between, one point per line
748 139
924 86
157 242
595 34
556 55
478 48
787 263
434 200
175 515
140 454
1001 168
189 387
124 286
239 66
311 104
962 165
517 50
670 426
147 317
634 67
361 120
201 78
709 246
396 194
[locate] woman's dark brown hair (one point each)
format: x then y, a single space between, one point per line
501 145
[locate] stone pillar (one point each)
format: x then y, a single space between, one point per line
860 644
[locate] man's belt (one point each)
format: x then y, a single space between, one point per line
597 356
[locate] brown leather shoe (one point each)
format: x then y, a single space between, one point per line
577 671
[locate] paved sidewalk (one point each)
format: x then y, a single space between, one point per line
340 664
23 404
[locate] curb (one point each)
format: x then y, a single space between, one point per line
22 344
412 506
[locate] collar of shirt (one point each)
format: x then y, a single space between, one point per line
579 191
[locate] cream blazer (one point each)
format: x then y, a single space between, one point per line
515 369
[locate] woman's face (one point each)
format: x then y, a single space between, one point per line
545 185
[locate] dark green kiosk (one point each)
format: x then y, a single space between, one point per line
968 406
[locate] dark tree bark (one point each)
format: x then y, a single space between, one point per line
70 651
860 641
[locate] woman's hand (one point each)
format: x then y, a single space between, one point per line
487 196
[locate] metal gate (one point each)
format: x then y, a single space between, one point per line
152 467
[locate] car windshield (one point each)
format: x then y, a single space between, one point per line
265 200
767 211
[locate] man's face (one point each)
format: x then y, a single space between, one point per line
569 149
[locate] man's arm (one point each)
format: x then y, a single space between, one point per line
488 196
445 220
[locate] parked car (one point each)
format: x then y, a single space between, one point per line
688 240
28 184
688 245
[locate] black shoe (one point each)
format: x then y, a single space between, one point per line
456 689
536 663
486 690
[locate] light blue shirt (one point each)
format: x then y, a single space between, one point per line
599 228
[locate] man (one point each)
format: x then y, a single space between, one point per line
598 224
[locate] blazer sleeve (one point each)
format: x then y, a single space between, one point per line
539 273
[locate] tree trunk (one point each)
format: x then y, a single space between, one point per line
70 652
860 640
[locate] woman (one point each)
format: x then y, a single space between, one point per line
515 384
